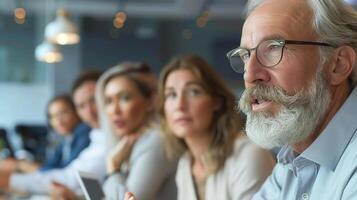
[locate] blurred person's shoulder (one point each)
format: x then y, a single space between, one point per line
247 154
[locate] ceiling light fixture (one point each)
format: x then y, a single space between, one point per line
119 19
120 16
20 15
203 15
62 30
48 52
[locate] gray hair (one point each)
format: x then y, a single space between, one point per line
334 21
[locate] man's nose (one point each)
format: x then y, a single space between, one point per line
255 72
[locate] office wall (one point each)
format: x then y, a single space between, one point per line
102 46
23 103
157 41
26 84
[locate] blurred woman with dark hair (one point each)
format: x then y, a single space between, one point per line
64 120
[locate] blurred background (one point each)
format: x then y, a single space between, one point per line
152 31
34 66
37 62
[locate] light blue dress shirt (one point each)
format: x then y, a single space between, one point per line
327 169
67 146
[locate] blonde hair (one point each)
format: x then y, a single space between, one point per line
226 124
146 82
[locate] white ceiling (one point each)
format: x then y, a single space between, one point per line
166 9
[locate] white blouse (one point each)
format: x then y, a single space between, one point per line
239 179
91 159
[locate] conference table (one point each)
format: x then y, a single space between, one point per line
23 197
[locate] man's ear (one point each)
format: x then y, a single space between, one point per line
342 64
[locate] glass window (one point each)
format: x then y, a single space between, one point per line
17 45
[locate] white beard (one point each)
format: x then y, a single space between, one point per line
298 117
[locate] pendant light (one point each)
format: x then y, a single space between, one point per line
62 30
48 52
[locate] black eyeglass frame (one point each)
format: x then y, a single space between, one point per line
233 52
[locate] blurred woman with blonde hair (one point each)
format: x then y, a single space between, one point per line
136 160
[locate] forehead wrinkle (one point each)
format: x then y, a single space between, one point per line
289 18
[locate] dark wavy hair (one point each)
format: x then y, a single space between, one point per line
66 98
86 76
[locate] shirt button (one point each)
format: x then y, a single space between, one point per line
305 196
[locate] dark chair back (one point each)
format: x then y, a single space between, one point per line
34 139
5 145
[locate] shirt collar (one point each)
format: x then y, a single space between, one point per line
328 148
97 135
68 139
286 155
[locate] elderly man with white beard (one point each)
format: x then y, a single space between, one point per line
299 63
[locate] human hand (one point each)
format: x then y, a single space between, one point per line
8 165
59 191
120 152
4 180
27 167
129 196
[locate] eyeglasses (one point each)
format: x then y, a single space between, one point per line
268 53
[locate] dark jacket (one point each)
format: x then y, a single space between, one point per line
79 142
